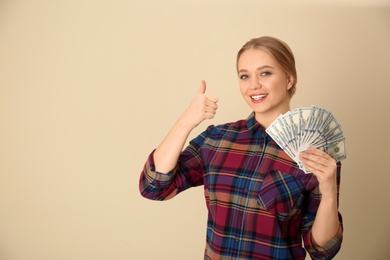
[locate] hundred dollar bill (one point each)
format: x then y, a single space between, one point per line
305 127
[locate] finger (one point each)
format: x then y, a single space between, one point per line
212 98
318 152
211 104
312 166
209 115
210 110
202 91
316 169
318 162
317 155
202 88
312 159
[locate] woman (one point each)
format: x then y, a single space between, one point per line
260 204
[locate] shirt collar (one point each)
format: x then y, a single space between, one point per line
252 124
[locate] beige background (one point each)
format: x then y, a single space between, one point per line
89 87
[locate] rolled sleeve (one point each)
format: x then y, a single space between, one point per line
187 173
329 250
156 179
155 185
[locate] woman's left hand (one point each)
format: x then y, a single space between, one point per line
324 167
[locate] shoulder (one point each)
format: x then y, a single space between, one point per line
228 128
231 132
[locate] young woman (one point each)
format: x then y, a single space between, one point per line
260 204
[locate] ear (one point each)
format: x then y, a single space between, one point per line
290 81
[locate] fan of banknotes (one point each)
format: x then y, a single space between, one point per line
312 126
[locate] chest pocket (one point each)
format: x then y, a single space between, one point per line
280 194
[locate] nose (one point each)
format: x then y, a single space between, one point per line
255 83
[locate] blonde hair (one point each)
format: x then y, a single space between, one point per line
279 50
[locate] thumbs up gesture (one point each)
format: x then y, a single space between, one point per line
202 107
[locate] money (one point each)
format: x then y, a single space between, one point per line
305 127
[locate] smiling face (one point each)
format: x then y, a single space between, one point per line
264 85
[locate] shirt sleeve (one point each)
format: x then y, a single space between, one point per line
329 250
187 173
333 246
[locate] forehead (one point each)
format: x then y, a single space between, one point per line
255 58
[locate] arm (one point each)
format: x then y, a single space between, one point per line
326 224
159 179
202 107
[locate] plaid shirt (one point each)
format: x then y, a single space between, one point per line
260 204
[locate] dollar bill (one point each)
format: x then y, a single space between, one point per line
305 127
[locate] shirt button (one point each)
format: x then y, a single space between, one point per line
246 190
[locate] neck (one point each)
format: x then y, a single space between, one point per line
266 119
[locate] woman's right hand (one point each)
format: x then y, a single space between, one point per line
202 107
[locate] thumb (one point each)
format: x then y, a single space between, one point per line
202 88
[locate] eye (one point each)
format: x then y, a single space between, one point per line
243 76
265 73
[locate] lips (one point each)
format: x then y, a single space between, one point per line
258 97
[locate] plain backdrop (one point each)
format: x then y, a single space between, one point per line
88 88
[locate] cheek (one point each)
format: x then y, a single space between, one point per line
242 88
280 85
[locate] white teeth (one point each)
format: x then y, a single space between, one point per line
258 97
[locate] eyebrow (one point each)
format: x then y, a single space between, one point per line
259 68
